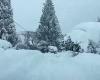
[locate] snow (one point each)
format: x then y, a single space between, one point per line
84 32
52 49
33 65
5 44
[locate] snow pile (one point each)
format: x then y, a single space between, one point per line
33 65
52 49
84 32
5 44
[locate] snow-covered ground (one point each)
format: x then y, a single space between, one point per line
33 65
84 32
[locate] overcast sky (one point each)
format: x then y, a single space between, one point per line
69 12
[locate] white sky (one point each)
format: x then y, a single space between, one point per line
69 12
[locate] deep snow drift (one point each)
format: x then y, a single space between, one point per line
33 65
84 32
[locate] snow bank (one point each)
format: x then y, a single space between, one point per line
33 65
5 44
85 31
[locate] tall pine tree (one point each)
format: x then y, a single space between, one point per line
49 28
7 22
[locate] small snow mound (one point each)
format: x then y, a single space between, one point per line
5 44
84 32
53 49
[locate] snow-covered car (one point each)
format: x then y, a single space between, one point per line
52 49
5 44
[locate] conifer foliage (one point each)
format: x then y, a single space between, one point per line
91 48
7 27
49 28
72 46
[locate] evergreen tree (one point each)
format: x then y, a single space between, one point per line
49 28
6 21
72 46
77 47
69 44
91 48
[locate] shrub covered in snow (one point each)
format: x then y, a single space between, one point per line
76 47
91 48
42 46
21 46
45 48
5 44
29 38
71 46
52 49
